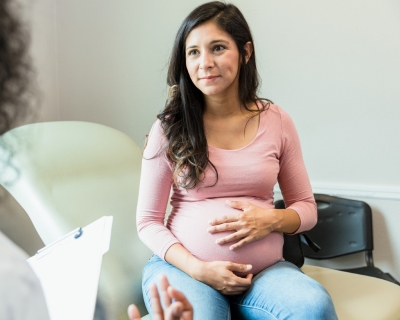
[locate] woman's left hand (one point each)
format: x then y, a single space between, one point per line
251 223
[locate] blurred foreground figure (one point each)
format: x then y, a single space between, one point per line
21 296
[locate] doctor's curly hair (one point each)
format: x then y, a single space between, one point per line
16 92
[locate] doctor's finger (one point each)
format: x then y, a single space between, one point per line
164 284
133 312
158 312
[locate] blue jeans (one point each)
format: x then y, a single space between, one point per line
279 292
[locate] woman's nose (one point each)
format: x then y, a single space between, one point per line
206 61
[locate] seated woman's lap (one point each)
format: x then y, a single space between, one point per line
281 291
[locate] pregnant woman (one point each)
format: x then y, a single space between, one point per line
217 150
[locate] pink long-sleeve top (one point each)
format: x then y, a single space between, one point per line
245 174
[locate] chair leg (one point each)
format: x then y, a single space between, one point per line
392 279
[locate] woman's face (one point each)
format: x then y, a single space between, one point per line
212 60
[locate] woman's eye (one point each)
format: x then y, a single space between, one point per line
219 48
193 52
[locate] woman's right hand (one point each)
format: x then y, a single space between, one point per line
220 275
217 274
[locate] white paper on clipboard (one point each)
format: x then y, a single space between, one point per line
69 270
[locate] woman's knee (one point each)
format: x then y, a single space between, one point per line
315 302
284 292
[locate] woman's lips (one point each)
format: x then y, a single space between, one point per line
209 78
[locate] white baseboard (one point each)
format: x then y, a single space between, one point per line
355 191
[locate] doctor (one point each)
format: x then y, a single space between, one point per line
21 296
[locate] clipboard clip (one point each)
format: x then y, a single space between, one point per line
77 233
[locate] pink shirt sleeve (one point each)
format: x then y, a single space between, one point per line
293 179
155 186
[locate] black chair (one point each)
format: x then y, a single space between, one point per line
292 249
293 243
344 227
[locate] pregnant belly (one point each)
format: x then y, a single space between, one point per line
189 224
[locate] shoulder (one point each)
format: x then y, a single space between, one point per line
13 263
10 250
156 140
276 115
157 129
276 122
20 288
277 111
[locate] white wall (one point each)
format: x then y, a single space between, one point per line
41 18
333 65
112 59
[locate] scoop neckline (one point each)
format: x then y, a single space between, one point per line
251 142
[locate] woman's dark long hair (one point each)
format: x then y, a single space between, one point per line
182 118
16 93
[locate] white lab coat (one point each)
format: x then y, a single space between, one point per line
21 296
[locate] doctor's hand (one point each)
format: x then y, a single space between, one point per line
250 223
177 307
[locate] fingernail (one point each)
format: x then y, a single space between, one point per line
209 229
249 266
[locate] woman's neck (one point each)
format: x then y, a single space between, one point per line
222 107
226 107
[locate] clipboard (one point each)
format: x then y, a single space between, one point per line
69 270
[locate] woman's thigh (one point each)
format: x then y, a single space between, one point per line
283 291
207 302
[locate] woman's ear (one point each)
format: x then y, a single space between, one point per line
248 47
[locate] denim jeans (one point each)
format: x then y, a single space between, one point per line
282 291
